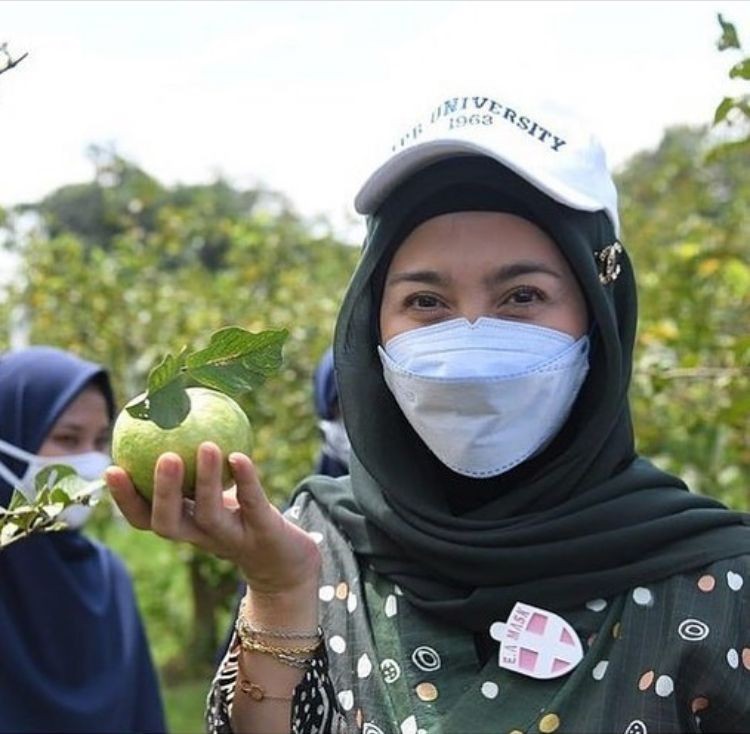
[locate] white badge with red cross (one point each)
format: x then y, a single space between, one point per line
536 643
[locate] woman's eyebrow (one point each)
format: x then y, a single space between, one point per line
68 425
506 272
521 267
429 277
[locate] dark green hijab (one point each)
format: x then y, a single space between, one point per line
586 518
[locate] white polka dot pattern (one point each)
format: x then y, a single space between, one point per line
600 669
337 643
664 686
490 689
596 605
643 596
734 581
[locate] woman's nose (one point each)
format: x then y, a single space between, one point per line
88 446
473 312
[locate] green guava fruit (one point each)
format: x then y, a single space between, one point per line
213 416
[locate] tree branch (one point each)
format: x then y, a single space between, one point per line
10 62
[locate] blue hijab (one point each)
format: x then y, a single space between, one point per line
74 656
326 398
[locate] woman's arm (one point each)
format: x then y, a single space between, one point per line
265 685
279 560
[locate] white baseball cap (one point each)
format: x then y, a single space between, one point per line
544 145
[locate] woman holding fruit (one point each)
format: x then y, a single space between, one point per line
500 558
74 656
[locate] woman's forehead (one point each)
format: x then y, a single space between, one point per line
87 409
473 236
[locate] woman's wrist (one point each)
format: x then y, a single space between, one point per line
295 608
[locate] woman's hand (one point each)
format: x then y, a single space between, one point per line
275 556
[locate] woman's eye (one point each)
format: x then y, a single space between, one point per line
66 440
525 295
423 301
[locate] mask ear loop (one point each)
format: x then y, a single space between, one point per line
9 477
14 481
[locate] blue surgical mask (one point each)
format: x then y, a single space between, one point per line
485 396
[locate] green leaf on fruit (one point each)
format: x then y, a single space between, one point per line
166 403
237 361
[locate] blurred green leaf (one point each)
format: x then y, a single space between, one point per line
727 150
58 486
723 109
741 70
728 38
51 474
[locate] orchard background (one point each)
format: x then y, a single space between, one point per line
122 268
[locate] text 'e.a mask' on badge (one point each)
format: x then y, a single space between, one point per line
536 643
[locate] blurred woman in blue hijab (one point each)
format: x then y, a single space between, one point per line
333 459
74 656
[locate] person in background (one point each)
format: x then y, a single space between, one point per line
333 459
499 558
74 655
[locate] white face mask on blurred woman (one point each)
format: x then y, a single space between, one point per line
89 465
335 441
79 439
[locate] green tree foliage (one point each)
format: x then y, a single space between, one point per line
686 225
123 269
733 113
686 209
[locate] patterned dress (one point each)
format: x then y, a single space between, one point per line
672 656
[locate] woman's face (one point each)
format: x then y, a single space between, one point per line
83 426
474 264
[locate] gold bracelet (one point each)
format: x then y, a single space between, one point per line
252 645
246 631
295 657
250 629
257 693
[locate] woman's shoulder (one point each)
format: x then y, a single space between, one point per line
709 602
719 585
686 639
314 504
